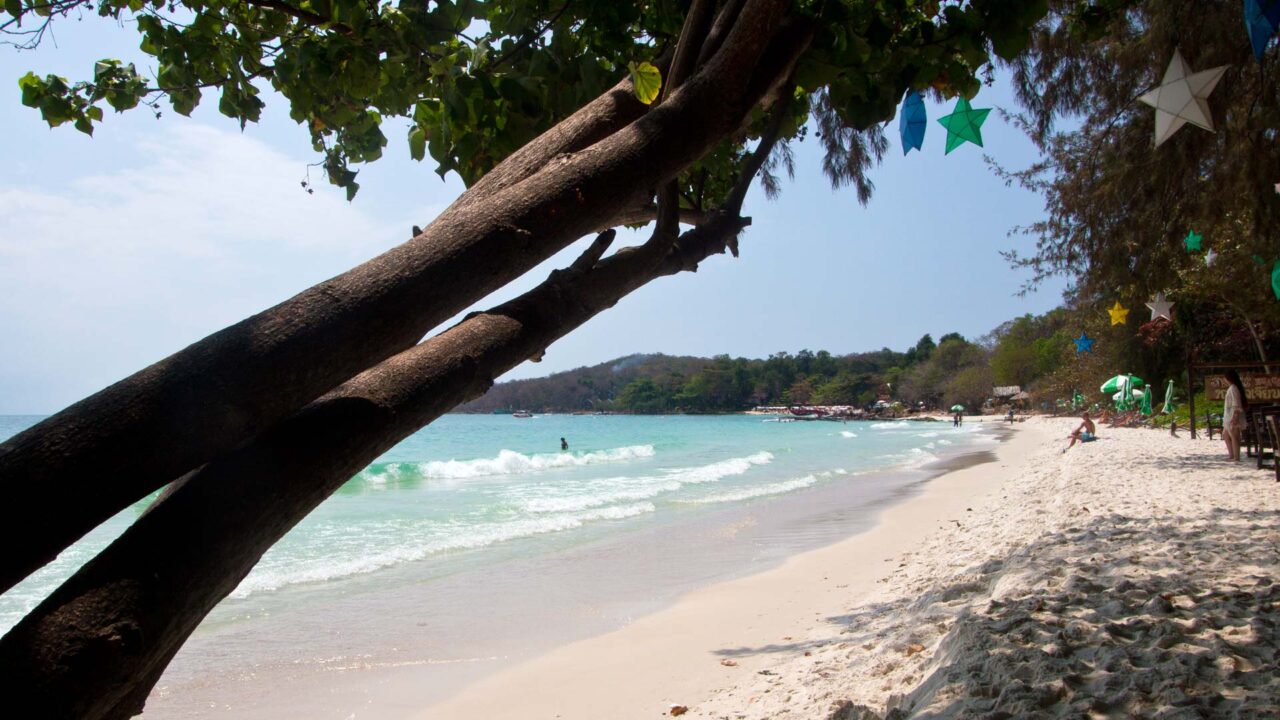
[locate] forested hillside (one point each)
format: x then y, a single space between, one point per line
952 370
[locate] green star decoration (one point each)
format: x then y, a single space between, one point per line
964 124
1192 241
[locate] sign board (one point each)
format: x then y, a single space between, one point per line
1257 388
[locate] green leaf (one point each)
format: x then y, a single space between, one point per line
647 80
417 143
84 126
32 89
14 8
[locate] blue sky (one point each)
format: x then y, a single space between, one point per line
120 249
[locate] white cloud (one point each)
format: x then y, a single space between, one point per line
119 267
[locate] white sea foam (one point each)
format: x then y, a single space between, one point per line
602 492
898 425
927 434
910 459
509 462
759 491
719 470
846 433
277 572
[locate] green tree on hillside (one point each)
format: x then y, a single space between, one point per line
643 395
1028 348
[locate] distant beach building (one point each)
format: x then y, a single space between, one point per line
1004 393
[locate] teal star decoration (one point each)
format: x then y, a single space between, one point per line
1192 241
964 124
1084 343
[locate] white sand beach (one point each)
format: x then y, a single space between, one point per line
1133 576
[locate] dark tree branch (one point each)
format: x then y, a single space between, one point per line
725 19
594 252
696 24
529 39
778 115
643 214
305 16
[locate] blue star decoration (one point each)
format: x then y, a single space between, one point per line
1084 343
912 122
1262 18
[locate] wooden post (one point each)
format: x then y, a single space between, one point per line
1191 396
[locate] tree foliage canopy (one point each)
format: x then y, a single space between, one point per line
1119 208
477 80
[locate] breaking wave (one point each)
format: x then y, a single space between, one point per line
508 462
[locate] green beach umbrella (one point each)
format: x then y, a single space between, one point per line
1124 398
1145 407
1130 401
957 408
1168 398
1118 382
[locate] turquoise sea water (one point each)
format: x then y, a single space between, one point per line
471 488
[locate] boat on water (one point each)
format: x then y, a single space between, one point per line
522 414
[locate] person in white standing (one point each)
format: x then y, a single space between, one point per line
1233 415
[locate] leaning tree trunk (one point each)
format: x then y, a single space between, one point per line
96 646
100 642
94 458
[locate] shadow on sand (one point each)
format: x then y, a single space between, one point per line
1119 617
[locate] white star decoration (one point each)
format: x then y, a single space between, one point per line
1160 307
1182 97
1209 257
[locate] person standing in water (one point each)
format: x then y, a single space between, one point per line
564 445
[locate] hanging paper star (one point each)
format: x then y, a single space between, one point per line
912 122
1160 307
1210 256
1262 19
1084 343
1275 279
1119 314
1278 188
964 124
1192 241
1182 97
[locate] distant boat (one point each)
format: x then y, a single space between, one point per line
522 414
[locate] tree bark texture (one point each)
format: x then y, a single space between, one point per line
96 647
101 454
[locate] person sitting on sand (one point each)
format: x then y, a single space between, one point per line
1087 432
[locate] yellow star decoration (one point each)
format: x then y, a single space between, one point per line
1119 314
